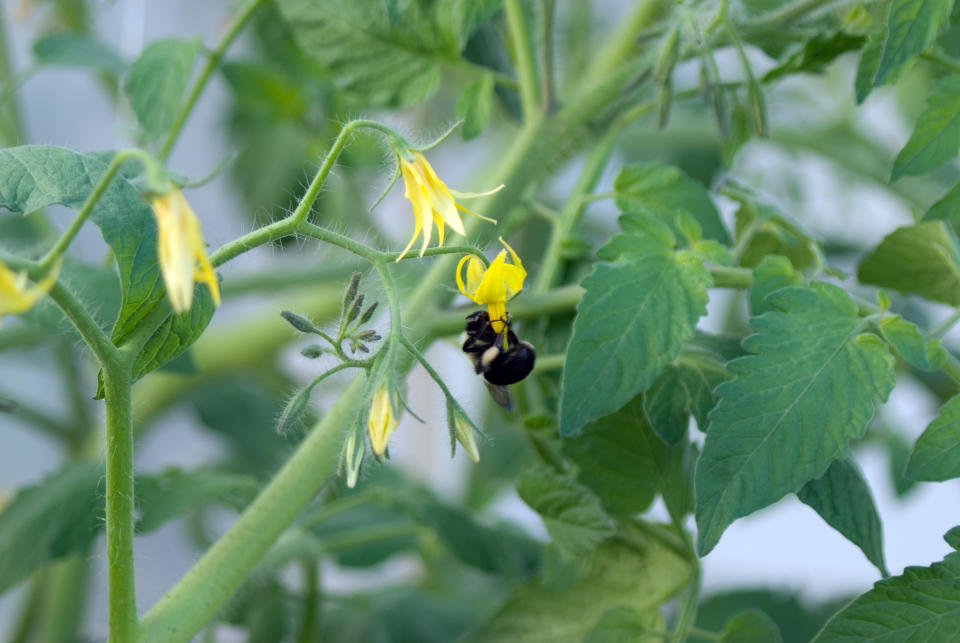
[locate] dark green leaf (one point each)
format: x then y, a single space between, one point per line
816 53
912 25
898 454
156 83
842 498
922 604
474 106
633 320
952 537
946 209
666 191
750 626
921 259
936 138
936 455
808 391
635 569
627 625
797 622
905 338
265 90
54 518
772 274
164 496
616 459
685 387
867 67
572 514
77 50
177 333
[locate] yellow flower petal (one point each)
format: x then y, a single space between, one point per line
16 296
381 423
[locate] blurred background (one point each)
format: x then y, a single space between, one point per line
271 114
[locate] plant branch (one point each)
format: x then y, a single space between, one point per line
101 346
523 53
547 84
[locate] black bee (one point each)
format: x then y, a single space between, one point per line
501 357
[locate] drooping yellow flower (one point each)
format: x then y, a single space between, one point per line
433 202
382 422
183 255
493 286
16 296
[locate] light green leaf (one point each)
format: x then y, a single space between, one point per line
750 626
905 338
385 53
912 26
616 457
921 259
156 83
867 67
666 191
627 625
474 106
686 386
936 138
946 209
922 604
52 519
772 274
164 496
936 455
633 320
77 50
637 569
842 498
572 514
808 391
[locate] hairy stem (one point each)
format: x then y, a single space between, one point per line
523 53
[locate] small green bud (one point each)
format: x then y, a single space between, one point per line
294 410
367 336
667 57
313 351
354 310
352 458
368 313
302 324
351 292
464 432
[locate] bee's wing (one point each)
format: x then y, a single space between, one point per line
500 395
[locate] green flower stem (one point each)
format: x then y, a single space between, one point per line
266 234
239 21
187 607
523 52
623 41
14 134
60 247
431 372
725 277
121 595
433 252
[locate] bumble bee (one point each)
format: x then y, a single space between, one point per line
500 357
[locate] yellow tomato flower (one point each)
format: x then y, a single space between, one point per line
16 296
183 255
433 202
382 422
493 286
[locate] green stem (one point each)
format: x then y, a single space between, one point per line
943 61
103 349
15 134
522 51
198 86
774 20
941 329
430 371
342 241
622 42
550 362
311 599
121 595
547 84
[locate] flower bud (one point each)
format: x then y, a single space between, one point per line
382 421
294 410
352 458
351 292
302 324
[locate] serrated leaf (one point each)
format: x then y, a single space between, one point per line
385 53
616 459
633 320
636 569
627 625
572 514
750 626
922 604
936 137
867 67
912 26
772 274
686 386
905 338
952 537
77 50
842 498
946 209
770 231
156 82
809 389
921 259
666 191
164 496
474 106
936 455
52 519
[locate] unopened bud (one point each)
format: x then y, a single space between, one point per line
313 351
302 324
351 292
294 410
354 309
368 313
352 458
368 336
463 431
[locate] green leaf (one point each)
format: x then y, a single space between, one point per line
867 67
817 52
936 455
842 498
750 626
808 391
797 622
898 454
164 496
633 320
177 333
572 514
946 209
921 259
686 386
922 604
637 569
627 625
474 106
952 537
157 80
770 231
77 50
905 338
772 274
912 26
616 458
96 286
387 53
36 176
666 191
936 138
52 519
